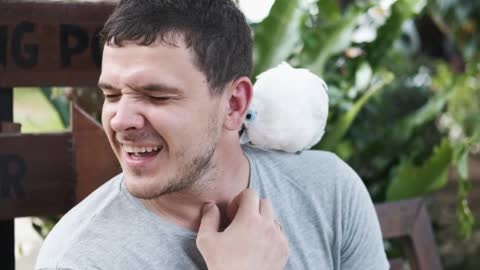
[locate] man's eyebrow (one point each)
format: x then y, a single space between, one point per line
159 87
154 87
106 86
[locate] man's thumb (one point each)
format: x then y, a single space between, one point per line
210 218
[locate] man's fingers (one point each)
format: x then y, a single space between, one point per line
266 209
248 203
232 208
210 219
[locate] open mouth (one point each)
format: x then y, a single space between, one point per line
141 152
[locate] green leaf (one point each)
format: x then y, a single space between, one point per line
416 6
387 34
329 9
334 38
404 130
410 180
363 76
278 34
465 218
334 135
462 164
60 103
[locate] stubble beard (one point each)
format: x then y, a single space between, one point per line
192 175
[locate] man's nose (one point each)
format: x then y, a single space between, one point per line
127 116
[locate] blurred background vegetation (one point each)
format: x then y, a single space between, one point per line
404 79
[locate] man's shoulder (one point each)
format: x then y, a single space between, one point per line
74 225
309 164
311 173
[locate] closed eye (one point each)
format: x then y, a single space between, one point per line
161 98
112 97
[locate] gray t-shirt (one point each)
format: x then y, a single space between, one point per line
322 204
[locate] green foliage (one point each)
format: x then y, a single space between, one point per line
44 225
338 129
34 111
59 102
329 37
402 10
410 180
277 35
465 217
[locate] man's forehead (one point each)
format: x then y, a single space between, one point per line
135 64
134 52
156 53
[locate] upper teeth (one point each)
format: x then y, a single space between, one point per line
145 149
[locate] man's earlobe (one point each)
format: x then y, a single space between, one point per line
240 95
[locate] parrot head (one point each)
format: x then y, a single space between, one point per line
288 110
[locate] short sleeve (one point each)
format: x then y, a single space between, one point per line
362 244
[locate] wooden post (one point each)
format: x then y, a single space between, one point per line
7 228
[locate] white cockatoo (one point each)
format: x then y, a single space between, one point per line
288 111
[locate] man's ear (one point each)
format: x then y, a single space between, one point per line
240 93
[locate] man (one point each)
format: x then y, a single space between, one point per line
175 76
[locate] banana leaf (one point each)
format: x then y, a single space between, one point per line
277 35
337 131
409 180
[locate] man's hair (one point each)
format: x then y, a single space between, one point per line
215 30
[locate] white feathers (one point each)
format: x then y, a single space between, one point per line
289 110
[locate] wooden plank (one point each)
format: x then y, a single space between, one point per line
7 227
424 252
398 264
9 127
408 221
36 175
44 43
30 185
95 161
6 104
397 218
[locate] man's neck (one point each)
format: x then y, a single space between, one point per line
229 178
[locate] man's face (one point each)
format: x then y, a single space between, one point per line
159 117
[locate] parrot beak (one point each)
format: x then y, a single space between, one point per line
242 130
243 135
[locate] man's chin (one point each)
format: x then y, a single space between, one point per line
149 189
142 187
144 193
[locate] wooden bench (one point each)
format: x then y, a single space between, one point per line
409 223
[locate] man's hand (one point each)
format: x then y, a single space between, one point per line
253 240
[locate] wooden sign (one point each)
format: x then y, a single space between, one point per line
36 175
51 43
47 174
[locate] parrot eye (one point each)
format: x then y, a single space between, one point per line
250 116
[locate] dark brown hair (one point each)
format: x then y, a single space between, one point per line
215 30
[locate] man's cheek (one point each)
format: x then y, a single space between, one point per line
107 115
